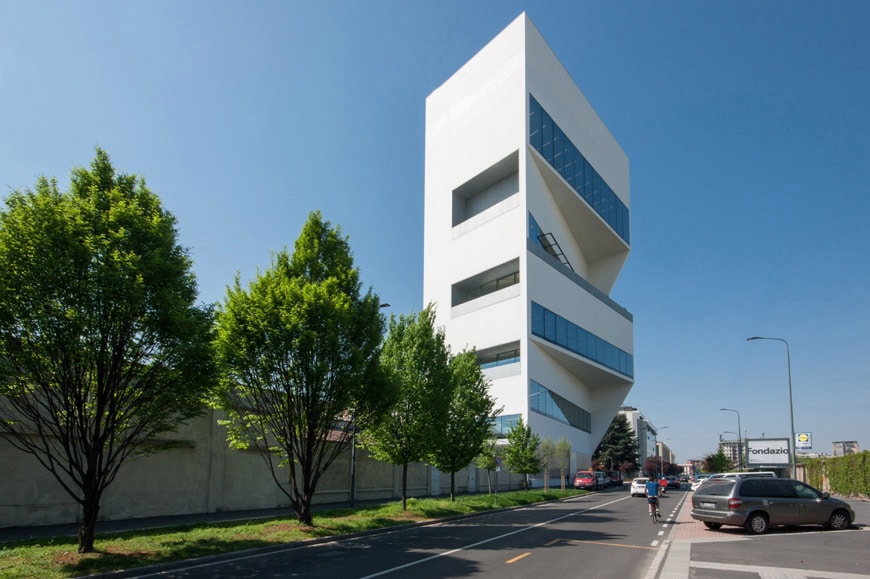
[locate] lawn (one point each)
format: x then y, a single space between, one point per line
59 557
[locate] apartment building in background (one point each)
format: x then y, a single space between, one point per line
526 230
844 447
644 431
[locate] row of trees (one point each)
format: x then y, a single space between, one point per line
103 348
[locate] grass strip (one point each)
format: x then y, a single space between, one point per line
58 557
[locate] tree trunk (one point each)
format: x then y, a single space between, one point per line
91 508
452 487
405 487
304 514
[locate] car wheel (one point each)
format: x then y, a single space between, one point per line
756 524
713 526
839 520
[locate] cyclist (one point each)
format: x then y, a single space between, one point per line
663 485
652 496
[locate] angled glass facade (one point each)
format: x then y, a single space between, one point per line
557 330
550 404
550 141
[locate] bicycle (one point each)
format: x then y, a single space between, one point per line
653 509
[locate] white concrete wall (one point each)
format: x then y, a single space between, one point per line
474 120
206 477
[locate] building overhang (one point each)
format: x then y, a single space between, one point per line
590 373
597 240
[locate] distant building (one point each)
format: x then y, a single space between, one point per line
731 450
844 447
643 430
664 451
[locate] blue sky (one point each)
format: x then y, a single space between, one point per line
746 125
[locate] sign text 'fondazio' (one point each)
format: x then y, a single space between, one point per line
767 452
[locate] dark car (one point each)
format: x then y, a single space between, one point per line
615 478
757 503
587 479
673 483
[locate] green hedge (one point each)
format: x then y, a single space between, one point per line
847 475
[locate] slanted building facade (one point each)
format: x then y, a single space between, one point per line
527 227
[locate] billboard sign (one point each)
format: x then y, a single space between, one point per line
767 452
803 440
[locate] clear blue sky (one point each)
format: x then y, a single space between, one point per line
746 125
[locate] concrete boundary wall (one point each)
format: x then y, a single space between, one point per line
206 476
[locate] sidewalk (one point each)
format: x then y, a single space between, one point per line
676 562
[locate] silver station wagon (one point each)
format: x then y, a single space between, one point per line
757 504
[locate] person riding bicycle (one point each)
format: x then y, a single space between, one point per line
652 495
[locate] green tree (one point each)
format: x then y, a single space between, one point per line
416 359
563 458
101 344
547 454
298 357
618 446
521 454
488 459
469 417
717 462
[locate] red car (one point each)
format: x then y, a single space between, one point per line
586 479
615 478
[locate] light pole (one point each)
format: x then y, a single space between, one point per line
660 465
791 457
739 441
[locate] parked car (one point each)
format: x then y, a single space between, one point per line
638 487
587 479
699 479
767 473
758 503
603 480
615 478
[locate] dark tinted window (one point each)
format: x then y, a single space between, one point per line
752 488
781 489
717 487
804 491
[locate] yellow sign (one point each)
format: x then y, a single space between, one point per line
803 440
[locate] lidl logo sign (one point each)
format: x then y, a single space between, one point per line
803 440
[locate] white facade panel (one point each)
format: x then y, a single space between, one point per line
483 180
551 84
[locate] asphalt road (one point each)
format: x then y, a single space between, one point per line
605 534
602 535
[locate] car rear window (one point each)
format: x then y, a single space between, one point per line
717 487
753 488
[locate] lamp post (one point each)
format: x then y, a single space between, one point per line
739 440
791 456
656 431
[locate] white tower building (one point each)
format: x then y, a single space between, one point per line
526 231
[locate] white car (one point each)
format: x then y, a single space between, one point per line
699 479
638 487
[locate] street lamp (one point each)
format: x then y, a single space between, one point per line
739 441
656 430
791 456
